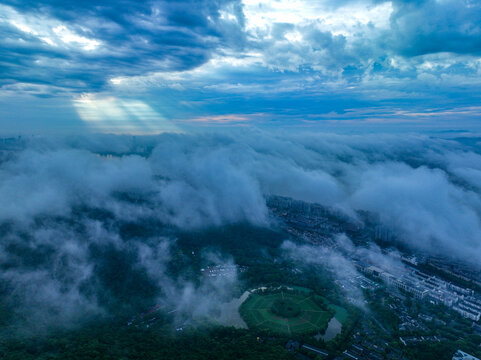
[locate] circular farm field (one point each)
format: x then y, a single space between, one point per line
286 312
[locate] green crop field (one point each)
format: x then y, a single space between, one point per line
301 313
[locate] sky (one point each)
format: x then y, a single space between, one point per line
146 67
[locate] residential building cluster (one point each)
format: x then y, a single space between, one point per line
456 268
223 270
429 287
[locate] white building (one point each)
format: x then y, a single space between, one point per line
467 313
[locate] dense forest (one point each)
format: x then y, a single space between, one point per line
111 342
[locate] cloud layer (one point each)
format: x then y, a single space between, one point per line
381 61
81 46
65 252
425 189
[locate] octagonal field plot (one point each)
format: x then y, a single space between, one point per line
285 312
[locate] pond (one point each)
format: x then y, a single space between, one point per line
334 328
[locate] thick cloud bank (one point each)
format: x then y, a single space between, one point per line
63 201
338 261
427 190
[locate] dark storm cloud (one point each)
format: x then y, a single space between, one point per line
422 27
416 28
134 38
